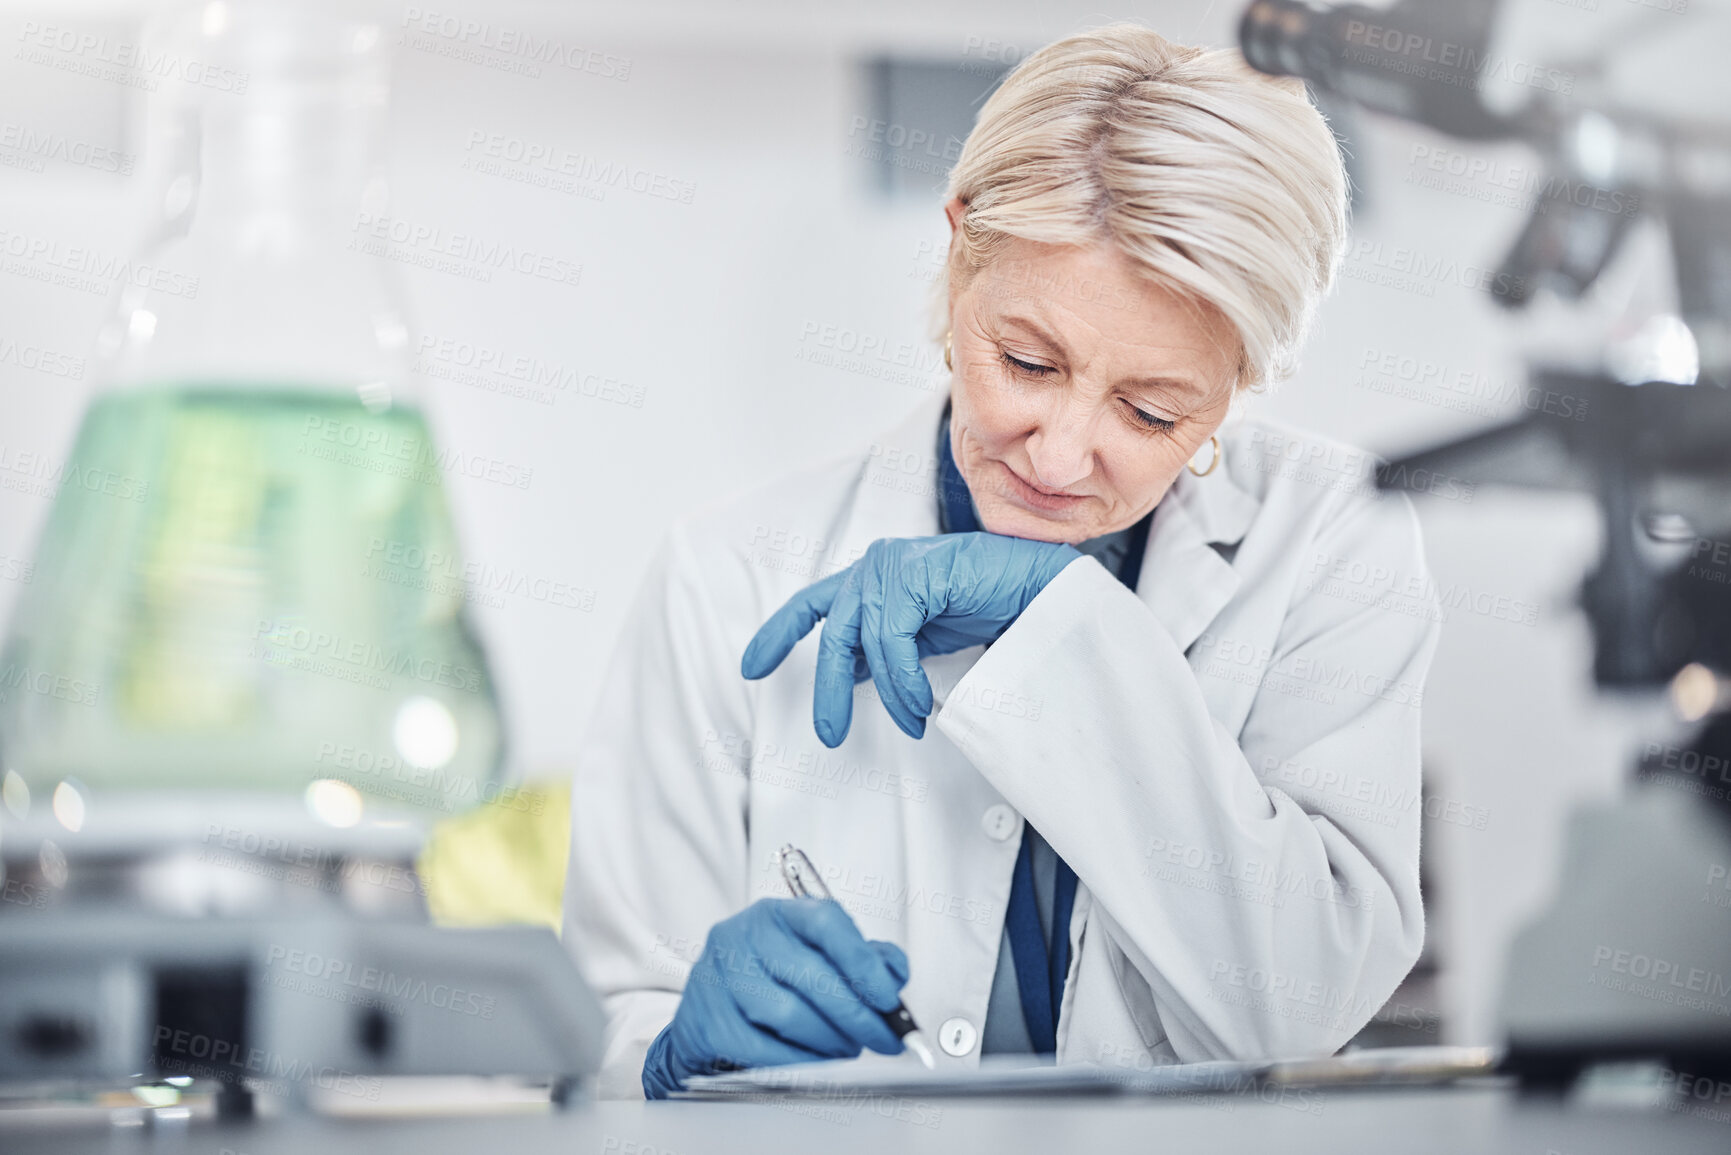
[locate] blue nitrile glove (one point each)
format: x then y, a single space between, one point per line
786 980
906 599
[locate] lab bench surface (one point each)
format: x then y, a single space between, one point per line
1480 1121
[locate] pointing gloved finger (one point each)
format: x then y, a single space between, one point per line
901 624
823 924
837 647
899 606
890 689
784 628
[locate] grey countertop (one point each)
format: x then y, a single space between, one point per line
1476 1120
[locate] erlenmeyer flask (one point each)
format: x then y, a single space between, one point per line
243 582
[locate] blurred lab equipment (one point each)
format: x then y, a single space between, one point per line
1627 963
254 535
245 681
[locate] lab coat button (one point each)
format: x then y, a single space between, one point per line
1000 822
957 1036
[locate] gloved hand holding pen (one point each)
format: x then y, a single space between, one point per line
783 981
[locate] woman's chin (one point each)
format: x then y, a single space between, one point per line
1012 520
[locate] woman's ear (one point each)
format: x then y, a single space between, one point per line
953 209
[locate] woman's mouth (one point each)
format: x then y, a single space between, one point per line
1045 501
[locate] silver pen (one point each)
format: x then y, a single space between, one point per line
802 878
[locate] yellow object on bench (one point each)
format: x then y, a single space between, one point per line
502 863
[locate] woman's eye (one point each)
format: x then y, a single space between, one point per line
1150 421
1027 366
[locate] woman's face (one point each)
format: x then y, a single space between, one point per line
1080 389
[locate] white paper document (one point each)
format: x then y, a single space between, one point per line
1021 1075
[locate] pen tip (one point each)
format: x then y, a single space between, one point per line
916 1042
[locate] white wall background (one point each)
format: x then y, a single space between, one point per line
702 307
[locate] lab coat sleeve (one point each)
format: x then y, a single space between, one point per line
1262 926
658 805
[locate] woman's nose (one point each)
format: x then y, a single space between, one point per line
1060 448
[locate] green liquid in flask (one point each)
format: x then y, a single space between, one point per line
250 588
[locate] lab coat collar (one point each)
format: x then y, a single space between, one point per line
892 500
1185 581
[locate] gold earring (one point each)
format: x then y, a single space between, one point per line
947 364
1191 465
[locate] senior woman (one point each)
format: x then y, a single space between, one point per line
1167 809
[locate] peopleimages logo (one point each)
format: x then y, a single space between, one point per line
1445 61
39 475
85 269
447 573
40 359
461 38
325 970
1660 980
135 65
583 168
38 145
289 642
199 1055
438 248
1511 185
381 450
448 358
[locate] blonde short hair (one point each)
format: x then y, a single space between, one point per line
1224 184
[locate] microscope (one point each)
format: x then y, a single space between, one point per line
1631 960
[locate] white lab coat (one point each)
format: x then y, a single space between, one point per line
1228 757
